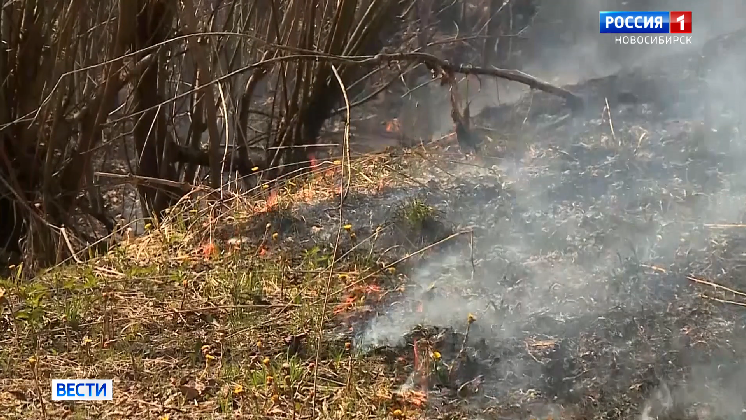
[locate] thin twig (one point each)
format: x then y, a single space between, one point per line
607 109
462 351
70 245
700 281
146 180
343 191
471 250
34 368
716 286
730 302
724 225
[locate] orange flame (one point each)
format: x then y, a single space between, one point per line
416 355
393 126
373 288
347 304
313 160
208 249
421 365
272 200
356 294
415 398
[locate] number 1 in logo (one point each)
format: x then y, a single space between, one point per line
681 22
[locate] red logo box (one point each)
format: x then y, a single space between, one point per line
680 23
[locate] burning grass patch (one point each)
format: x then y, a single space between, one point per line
192 320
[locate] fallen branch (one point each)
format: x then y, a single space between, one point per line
434 63
145 180
716 286
573 100
729 302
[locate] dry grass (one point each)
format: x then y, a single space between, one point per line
214 312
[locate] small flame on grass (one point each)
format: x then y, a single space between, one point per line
416 356
357 294
415 398
208 249
346 304
372 288
421 365
312 159
393 126
272 200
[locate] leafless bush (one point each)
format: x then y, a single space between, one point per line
184 91
82 77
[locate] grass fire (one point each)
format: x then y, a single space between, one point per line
371 209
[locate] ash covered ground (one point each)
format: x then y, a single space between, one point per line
606 258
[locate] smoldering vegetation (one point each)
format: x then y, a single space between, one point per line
606 264
589 264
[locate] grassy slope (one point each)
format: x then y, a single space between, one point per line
218 311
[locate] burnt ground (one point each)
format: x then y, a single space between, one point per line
601 246
586 267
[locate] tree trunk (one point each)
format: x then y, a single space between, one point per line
153 160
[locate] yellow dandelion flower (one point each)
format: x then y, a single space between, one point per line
148 226
343 277
259 344
238 389
208 356
337 162
266 361
436 355
265 186
255 168
398 413
205 348
391 270
32 360
347 227
471 318
275 236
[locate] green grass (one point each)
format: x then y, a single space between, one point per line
213 314
192 335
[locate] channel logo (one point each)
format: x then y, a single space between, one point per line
645 22
82 389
